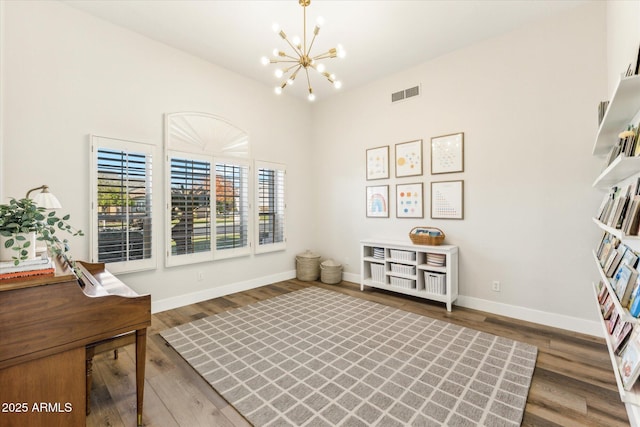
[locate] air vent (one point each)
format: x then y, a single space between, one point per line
397 96
412 91
405 94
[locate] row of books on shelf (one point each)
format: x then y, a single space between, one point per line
619 264
621 209
624 338
627 145
31 267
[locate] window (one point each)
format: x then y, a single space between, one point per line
190 206
270 212
232 208
122 204
194 224
209 189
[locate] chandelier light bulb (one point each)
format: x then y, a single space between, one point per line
276 52
275 27
296 41
264 60
337 84
289 82
341 52
311 97
319 21
278 90
279 73
320 68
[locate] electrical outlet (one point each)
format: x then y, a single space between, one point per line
495 286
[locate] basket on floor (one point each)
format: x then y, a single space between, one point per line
424 236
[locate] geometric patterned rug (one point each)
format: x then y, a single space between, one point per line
315 357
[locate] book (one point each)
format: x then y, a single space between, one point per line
631 218
634 301
604 254
613 262
625 280
619 337
607 307
26 266
43 259
602 292
27 273
613 321
630 257
629 366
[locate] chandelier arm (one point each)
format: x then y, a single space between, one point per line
294 47
290 68
328 54
311 44
295 73
306 70
280 61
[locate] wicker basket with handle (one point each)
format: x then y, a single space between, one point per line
426 238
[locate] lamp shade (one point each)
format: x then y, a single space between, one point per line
47 200
44 199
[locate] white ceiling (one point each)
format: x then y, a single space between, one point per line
380 37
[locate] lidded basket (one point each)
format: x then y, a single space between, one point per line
307 266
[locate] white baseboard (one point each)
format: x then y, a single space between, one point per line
218 291
555 320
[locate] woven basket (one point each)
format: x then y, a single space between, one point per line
330 272
307 266
425 238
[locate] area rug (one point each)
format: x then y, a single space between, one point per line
316 357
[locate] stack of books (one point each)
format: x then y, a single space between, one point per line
31 267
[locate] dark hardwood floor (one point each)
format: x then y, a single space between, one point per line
573 383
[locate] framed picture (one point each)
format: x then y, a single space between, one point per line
447 200
409 200
378 201
378 163
409 158
447 153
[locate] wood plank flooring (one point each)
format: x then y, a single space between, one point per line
573 383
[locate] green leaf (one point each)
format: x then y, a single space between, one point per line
8 243
66 217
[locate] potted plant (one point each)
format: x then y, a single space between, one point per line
22 223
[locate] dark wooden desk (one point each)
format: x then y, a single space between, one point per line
46 325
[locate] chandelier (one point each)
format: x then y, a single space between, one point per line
301 58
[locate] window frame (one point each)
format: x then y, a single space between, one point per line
275 246
149 150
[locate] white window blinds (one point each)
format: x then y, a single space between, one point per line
232 208
122 204
190 206
270 201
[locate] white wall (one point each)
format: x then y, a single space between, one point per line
66 74
623 38
527 103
